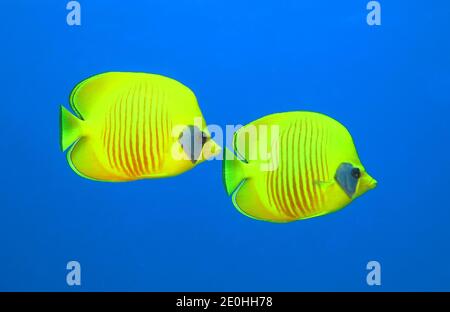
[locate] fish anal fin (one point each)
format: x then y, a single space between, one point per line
246 200
83 161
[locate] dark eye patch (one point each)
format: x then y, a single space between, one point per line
192 140
356 173
347 177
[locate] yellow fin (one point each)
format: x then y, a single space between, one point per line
83 161
247 202
71 128
92 91
324 184
233 170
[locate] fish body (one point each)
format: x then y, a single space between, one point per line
314 169
129 126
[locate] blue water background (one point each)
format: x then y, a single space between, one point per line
390 85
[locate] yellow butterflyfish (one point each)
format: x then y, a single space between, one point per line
313 168
131 126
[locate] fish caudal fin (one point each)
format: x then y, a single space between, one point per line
70 128
233 170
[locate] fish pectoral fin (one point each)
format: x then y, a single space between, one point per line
324 184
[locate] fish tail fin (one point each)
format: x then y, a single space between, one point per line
233 170
71 128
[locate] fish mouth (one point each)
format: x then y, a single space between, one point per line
212 150
372 183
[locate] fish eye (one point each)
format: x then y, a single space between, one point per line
356 173
205 139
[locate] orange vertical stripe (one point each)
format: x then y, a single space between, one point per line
318 163
118 126
295 169
311 165
273 183
113 148
299 159
288 174
307 170
108 135
144 130
137 125
123 132
154 130
150 129
127 136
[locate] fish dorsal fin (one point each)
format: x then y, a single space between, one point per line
258 138
92 92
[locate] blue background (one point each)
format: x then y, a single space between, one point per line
389 85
